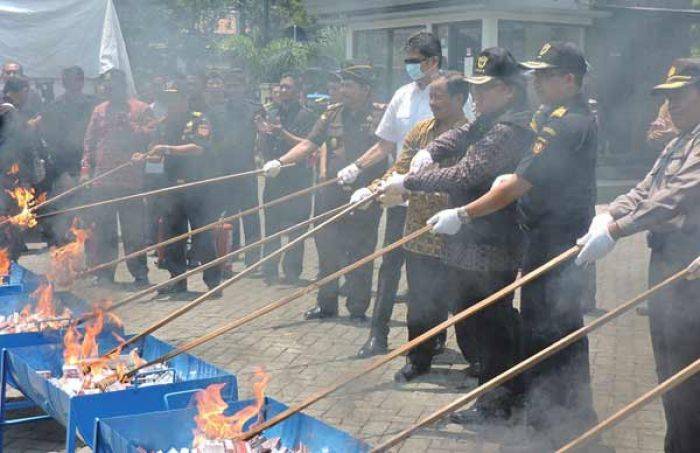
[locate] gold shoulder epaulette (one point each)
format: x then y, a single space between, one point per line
558 113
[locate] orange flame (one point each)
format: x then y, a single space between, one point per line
26 200
68 261
14 169
211 422
45 307
5 262
71 346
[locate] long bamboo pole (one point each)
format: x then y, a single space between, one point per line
210 226
380 361
529 362
216 262
667 385
164 190
248 270
282 302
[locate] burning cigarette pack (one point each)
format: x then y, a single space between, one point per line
257 445
42 316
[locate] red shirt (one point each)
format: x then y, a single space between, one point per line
113 135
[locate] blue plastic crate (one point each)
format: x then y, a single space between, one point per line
78 413
163 430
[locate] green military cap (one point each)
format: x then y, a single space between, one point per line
561 55
360 73
683 72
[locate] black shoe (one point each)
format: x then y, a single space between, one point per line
439 346
141 282
409 372
175 288
374 346
361 317
318 313
478 416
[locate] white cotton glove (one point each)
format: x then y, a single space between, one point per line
272 168
360 195
446 221
349 174
421 161
393 185
694 269
597 242
391 200
500 180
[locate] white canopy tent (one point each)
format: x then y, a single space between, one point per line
46 36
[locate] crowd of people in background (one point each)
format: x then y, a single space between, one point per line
506 186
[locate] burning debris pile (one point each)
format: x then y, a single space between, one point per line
41 316
219 433
85 372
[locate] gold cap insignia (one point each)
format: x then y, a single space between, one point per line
539 145
482 61
545 49
671 71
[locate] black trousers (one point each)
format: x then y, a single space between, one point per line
190 209
558 397
674 319
104 243
389 273
491 336
342 243
243 196
283 216
429 298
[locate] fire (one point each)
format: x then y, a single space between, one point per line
80 348
211 422
68 261
14 169
26 201
4 262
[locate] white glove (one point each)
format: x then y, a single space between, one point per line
694 269
596 244
601 221
360 195
393 185
421 161
272 168
446 221
349 174
500 180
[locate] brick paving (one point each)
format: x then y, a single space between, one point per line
303 357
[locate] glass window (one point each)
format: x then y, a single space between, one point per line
524 39
460 42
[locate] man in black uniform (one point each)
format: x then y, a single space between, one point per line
62 126
232 115
555 189
185 150
281 130
347 130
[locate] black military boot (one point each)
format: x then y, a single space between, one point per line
318 313
409 372
375 345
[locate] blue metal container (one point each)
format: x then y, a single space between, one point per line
163 430
20 280
78 413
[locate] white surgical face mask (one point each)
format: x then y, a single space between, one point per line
414 71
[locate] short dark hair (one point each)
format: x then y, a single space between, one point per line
15 85
457 85
426 43
73 71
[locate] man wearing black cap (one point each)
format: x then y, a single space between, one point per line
665 203
347 130
183 150
485 256
554 185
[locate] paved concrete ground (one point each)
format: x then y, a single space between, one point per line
303 357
